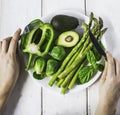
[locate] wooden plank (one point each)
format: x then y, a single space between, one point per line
26 98
15 13
56 103
109 11
69 104
110 14
55 5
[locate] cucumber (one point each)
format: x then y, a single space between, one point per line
64 22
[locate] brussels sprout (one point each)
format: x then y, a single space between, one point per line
39 76
58 53
51 67
39 65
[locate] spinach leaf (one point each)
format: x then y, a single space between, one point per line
100 67
96 53
91 58
85 74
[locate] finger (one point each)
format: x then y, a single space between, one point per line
117 67
111 65
104 74
14 41
5 44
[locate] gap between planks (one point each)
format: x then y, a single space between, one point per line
41 86
87 89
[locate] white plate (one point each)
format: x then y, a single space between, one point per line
45 81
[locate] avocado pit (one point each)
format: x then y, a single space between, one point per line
69 38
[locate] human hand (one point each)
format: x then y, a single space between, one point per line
9 65
109 91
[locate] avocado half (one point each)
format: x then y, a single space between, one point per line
68 39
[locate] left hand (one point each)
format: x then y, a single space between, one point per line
9 65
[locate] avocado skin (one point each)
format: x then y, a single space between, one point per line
64 22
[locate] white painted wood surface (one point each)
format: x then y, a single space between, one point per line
28 98
109 11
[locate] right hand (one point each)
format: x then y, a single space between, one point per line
109 91
110 81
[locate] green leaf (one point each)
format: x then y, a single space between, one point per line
98 56
96 53
91 58
100 67
85 74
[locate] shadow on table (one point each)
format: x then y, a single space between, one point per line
16 94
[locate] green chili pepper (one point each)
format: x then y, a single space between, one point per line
37 41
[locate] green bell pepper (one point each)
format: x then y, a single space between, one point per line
37 41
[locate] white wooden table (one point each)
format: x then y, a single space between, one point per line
28 98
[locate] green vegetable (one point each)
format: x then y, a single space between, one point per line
82 62
51 67
77 59
96 53
86 73
37 41
58 53
91 58
39 65
100 67
74 79
64 22
32 25
39 76
68 39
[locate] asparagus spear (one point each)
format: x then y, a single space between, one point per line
64 89
69 77
60 81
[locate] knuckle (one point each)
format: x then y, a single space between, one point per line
11 55
14 40
112 79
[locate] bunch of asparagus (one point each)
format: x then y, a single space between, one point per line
67 74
